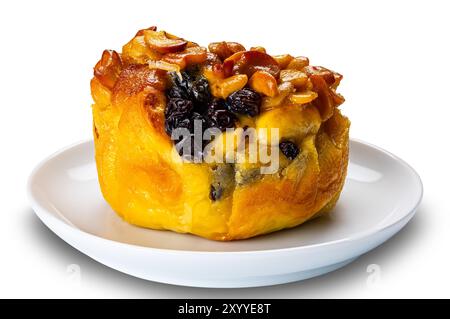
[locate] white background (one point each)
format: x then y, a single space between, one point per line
395 57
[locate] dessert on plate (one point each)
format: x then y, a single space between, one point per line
222 142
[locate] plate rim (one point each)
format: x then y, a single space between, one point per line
39 210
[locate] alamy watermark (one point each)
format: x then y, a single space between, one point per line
374 278
74 274
234 145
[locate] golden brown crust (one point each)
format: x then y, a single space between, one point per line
137 170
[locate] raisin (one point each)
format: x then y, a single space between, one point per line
215 192
180 86
179 105
185 122
184 82
177 92
191 87
178 113
173 121
218 116
200 91
221 119
245 101
215 105
289 149
180 120
189 99
196 117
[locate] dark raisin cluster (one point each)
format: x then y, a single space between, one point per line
245 101
190 99
289 149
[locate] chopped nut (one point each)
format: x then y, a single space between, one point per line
326 74
284 89
258 48
162 43
108 69
211 75
137 51
302 97
223 88
337 80
324 102
283 60
141 32
298 63
264 82
248 62
163 65
192 55
223 70
225 49
297 78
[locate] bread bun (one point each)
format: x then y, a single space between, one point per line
146 181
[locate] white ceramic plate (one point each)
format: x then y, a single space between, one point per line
380 196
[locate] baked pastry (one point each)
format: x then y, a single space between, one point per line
161 83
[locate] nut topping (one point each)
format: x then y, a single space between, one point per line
160 42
